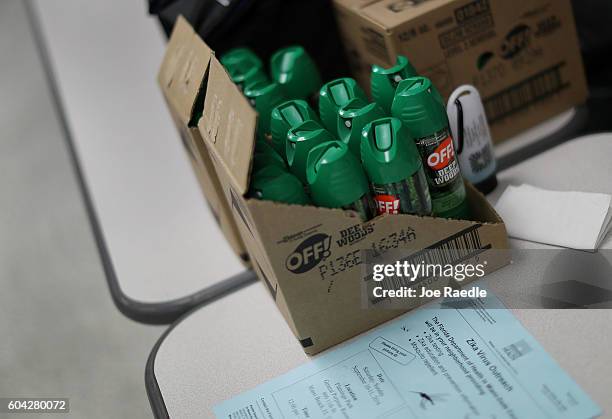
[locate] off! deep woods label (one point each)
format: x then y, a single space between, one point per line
442 170
410 196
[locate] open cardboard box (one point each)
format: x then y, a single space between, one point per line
310 257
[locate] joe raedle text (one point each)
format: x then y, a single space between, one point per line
447 292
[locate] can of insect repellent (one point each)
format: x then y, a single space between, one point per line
337 180
353 116
264 96
300 140
393 165
244 67
384 81
434 91
424 116
286 116
296 72
335 94
473 145
274 184
267 171
266 156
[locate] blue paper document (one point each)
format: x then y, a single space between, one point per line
472 362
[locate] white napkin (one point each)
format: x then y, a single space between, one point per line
578 220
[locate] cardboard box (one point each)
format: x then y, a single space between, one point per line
182 78
309 257
522 55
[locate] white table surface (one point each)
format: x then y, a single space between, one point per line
202 362
162 238
533 135
584 163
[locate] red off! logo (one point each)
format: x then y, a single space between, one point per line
387 204
442 155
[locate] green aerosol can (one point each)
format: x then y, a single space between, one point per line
417 105
384 81
285 116
394 167
244 67
264 96
296 72
274 184
335 94
300 140
337 180
265 156
353 117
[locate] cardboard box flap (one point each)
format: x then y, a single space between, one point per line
228 125
183 72
392 13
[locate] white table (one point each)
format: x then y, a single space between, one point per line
541 137
199 363
583 163
162 250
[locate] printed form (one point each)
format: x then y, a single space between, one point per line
476 361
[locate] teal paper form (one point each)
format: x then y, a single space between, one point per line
472 362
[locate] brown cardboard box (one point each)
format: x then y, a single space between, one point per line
182 78
522 55
310 257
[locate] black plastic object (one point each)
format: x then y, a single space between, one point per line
262 25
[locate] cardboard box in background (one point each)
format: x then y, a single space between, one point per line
310 257
182 78
522 55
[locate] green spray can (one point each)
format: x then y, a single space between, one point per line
384 81
353 117
286 116
422 113
337 180
264 96
393 164
295 71
334 95
244 67
274 184
267 157
300 140
267 172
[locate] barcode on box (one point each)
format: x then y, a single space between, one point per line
525 93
